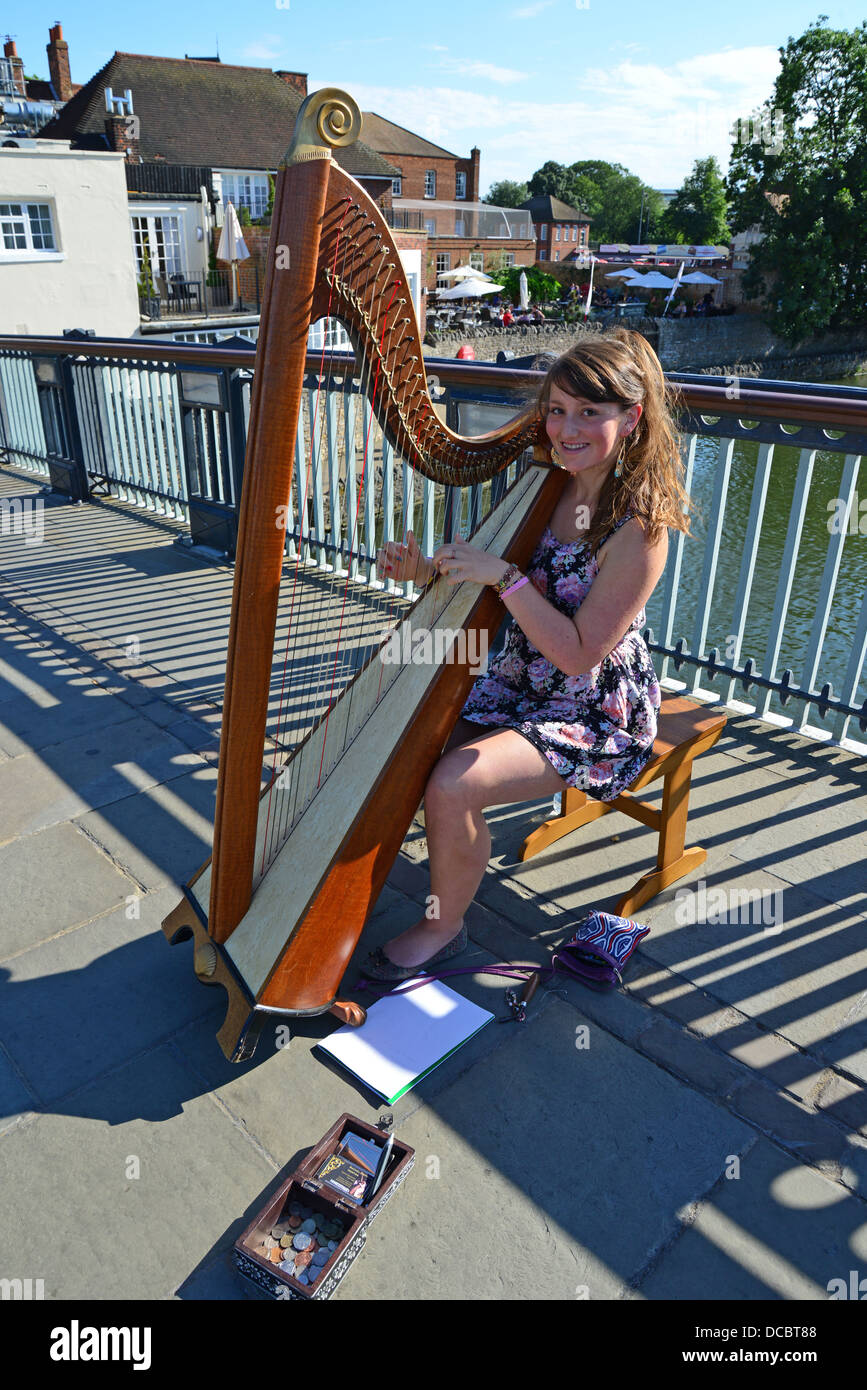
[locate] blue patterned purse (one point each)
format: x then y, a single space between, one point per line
599 950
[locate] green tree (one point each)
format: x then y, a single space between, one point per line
507 194
698 211
798 174
540 287
617 202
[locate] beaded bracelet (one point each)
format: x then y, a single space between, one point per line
512 573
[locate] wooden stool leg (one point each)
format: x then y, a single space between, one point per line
673 862
576 808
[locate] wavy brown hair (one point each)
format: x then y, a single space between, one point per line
620 367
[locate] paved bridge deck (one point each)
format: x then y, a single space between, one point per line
702 1134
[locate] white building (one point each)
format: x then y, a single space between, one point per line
65 249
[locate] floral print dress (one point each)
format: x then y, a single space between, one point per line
596 729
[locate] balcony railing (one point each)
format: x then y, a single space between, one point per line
763 608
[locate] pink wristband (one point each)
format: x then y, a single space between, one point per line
521 582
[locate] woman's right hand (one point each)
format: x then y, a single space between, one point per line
403 562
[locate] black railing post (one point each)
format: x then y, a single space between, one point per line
64 449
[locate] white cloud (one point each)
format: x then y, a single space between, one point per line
530 11
655 119
265 49
471 67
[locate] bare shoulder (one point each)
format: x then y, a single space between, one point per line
631 545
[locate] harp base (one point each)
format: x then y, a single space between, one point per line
242 1027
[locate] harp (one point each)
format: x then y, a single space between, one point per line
316 791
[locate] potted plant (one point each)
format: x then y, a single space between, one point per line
149 300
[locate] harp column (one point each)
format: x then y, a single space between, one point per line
327 118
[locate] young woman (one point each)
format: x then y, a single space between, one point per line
571 701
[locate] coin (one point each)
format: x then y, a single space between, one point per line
288 1266
313 1273
332 1245
322 1257
301 1241
286 1241
302 1278
303 1259
269 1242
276 1232
309 1225
294 1223
294 1208
275 1255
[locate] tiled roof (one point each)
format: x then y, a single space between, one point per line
548 209
391 139
198 112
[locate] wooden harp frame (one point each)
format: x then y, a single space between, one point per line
318 208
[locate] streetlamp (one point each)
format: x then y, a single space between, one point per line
641 214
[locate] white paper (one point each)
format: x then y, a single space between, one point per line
405 1035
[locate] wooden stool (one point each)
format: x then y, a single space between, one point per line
684 730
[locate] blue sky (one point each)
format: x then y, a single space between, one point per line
650 87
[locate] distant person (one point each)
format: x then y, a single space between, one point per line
508 318
679 310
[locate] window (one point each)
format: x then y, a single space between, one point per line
477 260
460 227
430 183
246 191
543 253
460 185
574 233
556 255
26 227
162 237
557 236
444 261
510 257
430 226
397 187
543 232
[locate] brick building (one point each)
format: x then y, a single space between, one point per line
437 192
562 232
182 117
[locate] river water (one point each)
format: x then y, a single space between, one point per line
825 486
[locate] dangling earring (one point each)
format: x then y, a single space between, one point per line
618 467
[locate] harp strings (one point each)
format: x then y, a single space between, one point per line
367 608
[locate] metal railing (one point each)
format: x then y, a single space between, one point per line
767 599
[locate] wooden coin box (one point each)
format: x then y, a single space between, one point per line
303 1186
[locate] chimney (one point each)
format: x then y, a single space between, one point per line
473 191
58 63
10 52
122 133
297 80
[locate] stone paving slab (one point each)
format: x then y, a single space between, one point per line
162 834
803 975
91 770
86 1227
540 1176
777 1231
139 992
53 881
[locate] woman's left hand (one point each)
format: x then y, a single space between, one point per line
459 562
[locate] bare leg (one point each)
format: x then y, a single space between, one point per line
493 769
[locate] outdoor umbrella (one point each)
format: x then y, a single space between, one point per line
471 289
654 281
622 274
463 272
524 299
698 277
232 246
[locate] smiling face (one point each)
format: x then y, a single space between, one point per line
586 434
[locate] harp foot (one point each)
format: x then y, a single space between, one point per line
349 1012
